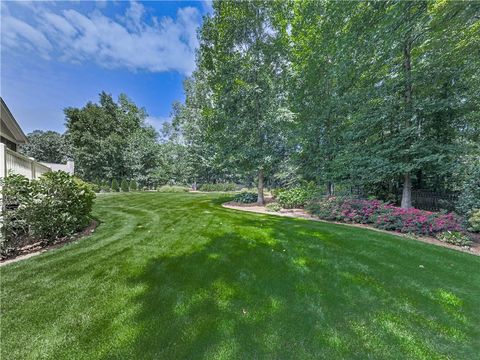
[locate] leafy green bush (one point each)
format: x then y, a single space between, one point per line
125 185
246 197
454 237
61 205
469 198
95 187
115 187
296 197
54 206
105 187
275 192
172 188
474 221
218 187
133 185
16 194
273 207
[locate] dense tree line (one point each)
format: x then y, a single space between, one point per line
110 142
382 95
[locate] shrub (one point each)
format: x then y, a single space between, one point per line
16 195
115 187
454 237
275 192
95 187
385 216
273 207
474 221
296 197
56 205
133 185
105 187
246 197
172 188
469 198
125 185
218 187
61 205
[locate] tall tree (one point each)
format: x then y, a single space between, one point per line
384 91
47 146
106 139
241 57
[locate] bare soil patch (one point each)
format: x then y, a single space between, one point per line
301 213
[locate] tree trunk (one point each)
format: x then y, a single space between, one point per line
407 192
407 67
330 188
260 199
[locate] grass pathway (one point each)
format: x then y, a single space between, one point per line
177 276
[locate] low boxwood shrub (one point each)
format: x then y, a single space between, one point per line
125 185
295 197
454 237
246 197
218 187
54 206
172 188
273 207
384 216
474 221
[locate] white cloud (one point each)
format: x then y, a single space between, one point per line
134 40
15 33
157 121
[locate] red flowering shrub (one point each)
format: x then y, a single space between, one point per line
384 216
417 221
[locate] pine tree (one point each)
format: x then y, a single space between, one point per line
115 187
105 186
124 185
133 185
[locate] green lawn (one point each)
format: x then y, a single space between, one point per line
175 276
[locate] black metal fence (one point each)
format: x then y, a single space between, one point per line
432 200
421 199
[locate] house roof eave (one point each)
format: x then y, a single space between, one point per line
12 124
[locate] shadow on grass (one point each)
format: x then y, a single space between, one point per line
239 297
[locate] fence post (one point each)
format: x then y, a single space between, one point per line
3 173
32 168
70 167
3 161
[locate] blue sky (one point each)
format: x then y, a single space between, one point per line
56 54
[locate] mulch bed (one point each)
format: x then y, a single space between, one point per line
39 247
474 249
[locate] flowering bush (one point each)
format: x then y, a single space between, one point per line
385 216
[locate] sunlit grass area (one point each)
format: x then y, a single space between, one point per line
174 276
